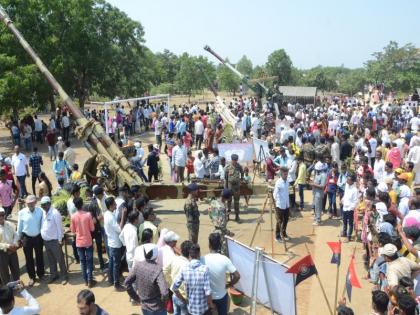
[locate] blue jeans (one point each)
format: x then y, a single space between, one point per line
301 195
105 238
332 207
222 305
28 143
348 217
86 262
16 140
114 265
179 307
146 312
22 187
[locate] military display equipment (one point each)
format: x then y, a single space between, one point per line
257 87
115 169
89 131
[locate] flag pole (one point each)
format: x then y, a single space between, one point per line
336 283
320 284
344 289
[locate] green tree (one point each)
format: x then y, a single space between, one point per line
170 65
397 67
279 64
89 46
190 78
320 78
244 66
228 81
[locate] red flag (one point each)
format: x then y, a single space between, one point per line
303 268
352 274
336 249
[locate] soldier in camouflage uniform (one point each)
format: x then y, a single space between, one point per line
192 213
308 152
217 213
233 175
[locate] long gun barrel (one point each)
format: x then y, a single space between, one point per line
96 140
233 69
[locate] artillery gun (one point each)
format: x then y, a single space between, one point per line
259 88
106 155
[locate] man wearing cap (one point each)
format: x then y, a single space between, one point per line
233 175
318 186
217 213
167 253
150 283
404 195
192 213
397 267
52 233
9 243
29 231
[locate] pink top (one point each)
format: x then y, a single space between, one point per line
82 225
394 156
6 190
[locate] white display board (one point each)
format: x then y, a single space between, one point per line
244 151
280 284
260 146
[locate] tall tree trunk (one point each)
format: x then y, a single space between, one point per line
52 102
82 100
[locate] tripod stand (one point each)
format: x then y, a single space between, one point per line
261 156
270 203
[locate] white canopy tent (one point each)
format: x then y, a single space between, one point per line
128 100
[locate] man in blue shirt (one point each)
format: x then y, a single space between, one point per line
29 232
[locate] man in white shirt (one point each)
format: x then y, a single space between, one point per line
179 159
128 237
172 271
218 266
349 201
20 169
198 131
8 300
112 231
373 144
379 167
9 244
199 170
38 129
281 197
166 252
52 233
66 126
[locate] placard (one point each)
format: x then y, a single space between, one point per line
281 285
244 151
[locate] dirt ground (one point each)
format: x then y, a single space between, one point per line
58 299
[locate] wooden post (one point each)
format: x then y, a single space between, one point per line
320 284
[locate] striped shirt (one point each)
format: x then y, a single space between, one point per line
35 161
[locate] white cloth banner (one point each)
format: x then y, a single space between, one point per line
243 150
280 284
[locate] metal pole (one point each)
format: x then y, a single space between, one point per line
255 281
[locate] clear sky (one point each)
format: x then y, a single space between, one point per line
313 32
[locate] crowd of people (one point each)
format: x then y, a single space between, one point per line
360 162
